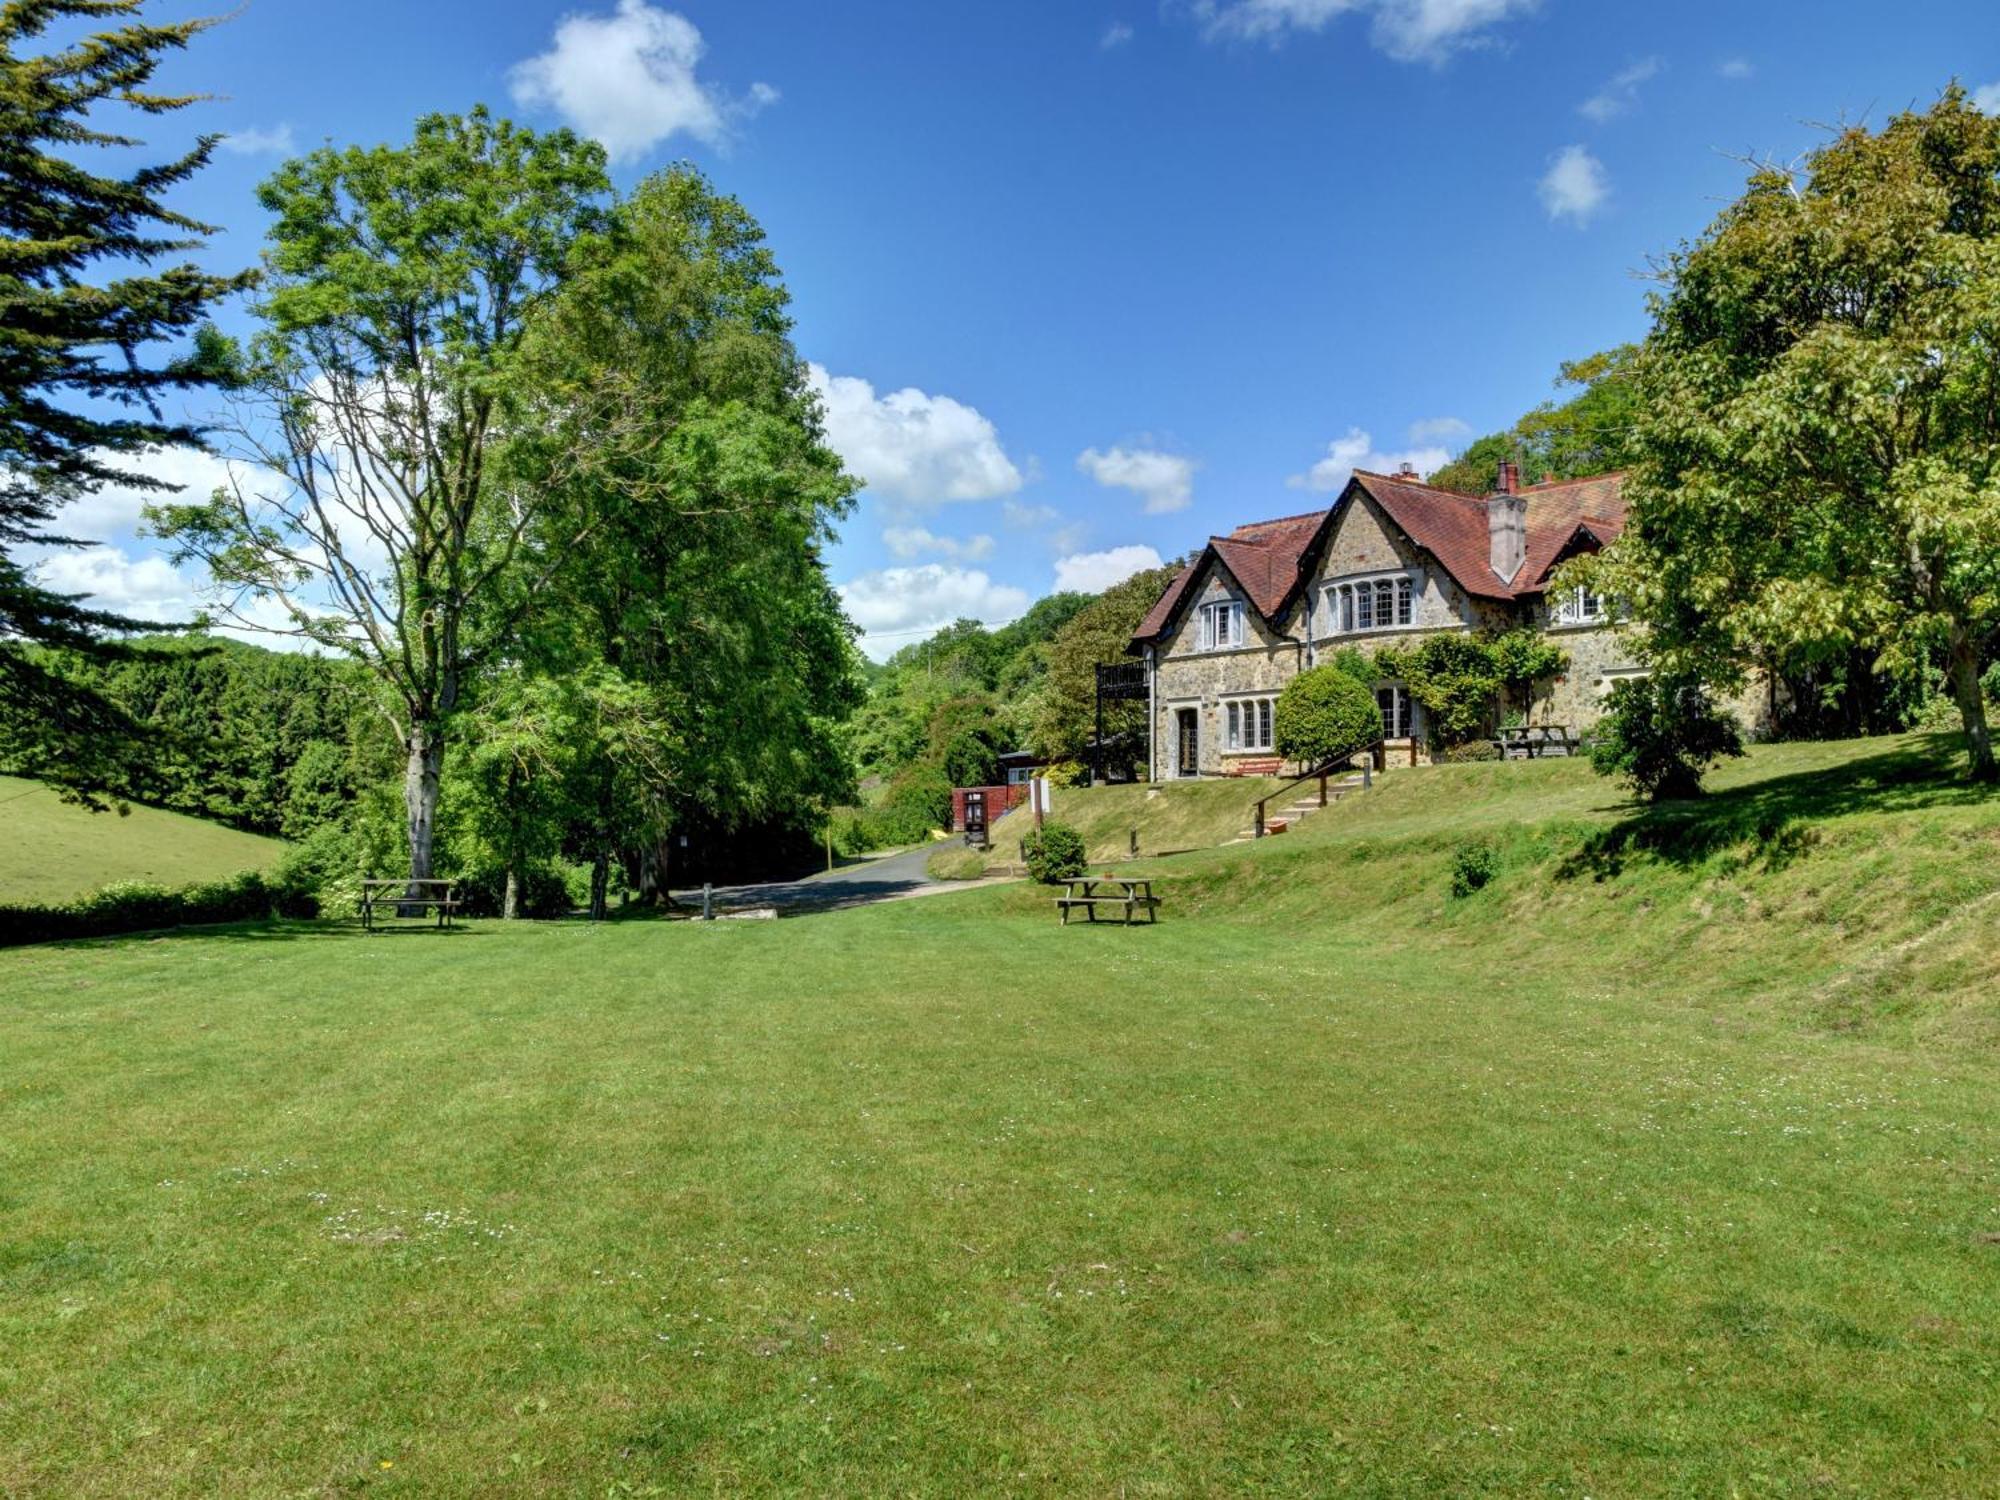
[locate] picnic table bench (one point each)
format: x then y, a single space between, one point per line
1132 895
1532 741
409 898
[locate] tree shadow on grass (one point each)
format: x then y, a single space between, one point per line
279 930
1772 822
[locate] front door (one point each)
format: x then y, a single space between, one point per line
1187 758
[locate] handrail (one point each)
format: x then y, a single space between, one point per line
1376 748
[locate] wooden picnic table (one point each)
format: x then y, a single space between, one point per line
1532 741
1133 895
402 894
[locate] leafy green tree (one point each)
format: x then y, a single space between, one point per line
1098 634
1590 433
1818 435
1323 712
382 399
1661 735
1474 470
79 405
522 743
1522 658
1456 679
692 497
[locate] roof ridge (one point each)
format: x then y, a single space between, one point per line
1422 484
1556 484
1304 515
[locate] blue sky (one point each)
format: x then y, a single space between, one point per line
1087 281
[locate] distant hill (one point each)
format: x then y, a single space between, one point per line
51 850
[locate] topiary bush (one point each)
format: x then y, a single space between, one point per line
1324 712
1054 853
1661 735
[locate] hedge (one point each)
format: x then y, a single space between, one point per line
134 906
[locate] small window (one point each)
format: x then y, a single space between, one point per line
1578 607
1221 625
1246 723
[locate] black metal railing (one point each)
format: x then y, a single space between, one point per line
1376 750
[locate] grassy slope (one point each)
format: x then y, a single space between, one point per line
1665 1165
55 850
1177 816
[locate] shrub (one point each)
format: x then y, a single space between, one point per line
1455 678
1054 853
1661 735
1325 712
1066 773
1471 750
1473 866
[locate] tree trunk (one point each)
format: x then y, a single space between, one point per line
1963 670
510 903
600 883
424 763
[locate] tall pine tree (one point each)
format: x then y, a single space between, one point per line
80 305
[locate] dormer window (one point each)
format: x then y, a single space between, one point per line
1383 603
1220 625
1578 606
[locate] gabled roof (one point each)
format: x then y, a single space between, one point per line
1271 560
1266 558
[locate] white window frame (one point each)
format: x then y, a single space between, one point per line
1249 722
1206 618
1409 704
1579 606
1349 598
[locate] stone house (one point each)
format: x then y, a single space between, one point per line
1391 561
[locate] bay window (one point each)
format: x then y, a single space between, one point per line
1372 604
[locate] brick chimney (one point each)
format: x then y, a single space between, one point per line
1507 523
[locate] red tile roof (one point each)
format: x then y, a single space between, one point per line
1271 559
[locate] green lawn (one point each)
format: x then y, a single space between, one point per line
1667 1164
55 850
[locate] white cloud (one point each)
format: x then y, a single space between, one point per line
1358 451
1987 97
1408 30
115 508
915 541
913 447
1439 430
276 141
897 605
1574 187
1094 572
1736 69
1165 481
1117 34
145 588
628 80
1620 92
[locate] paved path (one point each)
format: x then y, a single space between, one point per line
888 877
